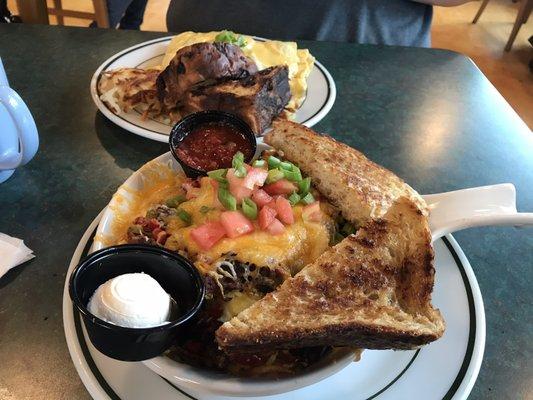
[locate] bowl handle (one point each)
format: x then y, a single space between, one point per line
479 206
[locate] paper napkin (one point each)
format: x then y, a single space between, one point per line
13 252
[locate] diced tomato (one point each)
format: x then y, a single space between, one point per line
236 186
267 215
235 223
191 189
232 179
311 212
255 177
208 234
283 186
260 197
240 192
276 227
284 209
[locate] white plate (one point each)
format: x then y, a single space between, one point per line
321 91
445 369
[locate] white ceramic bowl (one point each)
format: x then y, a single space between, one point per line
449 212
201 380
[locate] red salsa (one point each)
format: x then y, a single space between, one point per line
212 146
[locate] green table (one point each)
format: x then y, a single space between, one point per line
428 115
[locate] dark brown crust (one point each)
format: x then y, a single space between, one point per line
360 188
373 290
200 62
257 98
355 335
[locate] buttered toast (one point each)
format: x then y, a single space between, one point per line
358 187
372 290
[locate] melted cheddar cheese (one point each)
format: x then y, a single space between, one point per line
300 243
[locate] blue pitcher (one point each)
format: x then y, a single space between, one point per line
19 139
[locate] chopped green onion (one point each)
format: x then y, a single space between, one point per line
273 162
223 184
175 201
298 173
286 165
205 209
240 172
238 164
249 208
305 185
260 163
218 174
348 229
294 198
184 216
294 176
228 201
238 159
231 38
274 175
308 198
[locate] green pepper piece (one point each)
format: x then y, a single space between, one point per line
260 163
273 162
226 198
249 208
274 175
218 175
184 216
304 185
286 165
175 201
308 199
238 164
294 198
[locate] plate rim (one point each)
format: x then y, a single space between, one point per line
140 131
459 389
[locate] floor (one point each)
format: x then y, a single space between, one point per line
452 29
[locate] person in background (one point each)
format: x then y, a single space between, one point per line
126 14
391 22
5 15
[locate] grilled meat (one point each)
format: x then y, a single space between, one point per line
257 99
200 62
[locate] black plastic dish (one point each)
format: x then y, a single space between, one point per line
178 277
193 121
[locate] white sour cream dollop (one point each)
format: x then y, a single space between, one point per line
131 300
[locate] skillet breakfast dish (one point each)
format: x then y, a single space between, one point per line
256 80
308 250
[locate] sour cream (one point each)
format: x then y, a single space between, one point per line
131 300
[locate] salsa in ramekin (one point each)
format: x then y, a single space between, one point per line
208 140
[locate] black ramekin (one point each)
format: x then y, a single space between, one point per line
192 121
178 277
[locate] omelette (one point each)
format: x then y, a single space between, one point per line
265 54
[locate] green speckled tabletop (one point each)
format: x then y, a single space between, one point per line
428 115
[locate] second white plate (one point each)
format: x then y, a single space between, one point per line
321 91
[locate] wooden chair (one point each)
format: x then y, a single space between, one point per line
36 11
521 18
